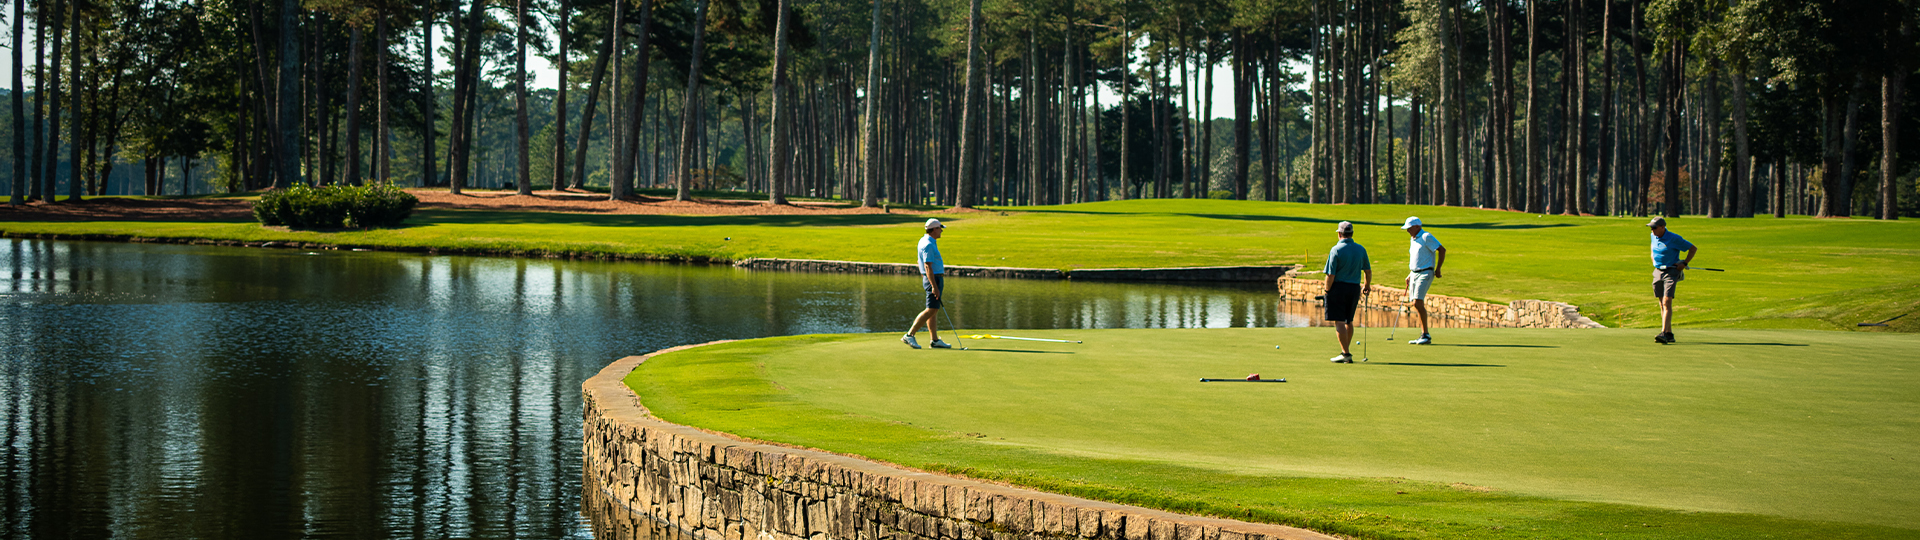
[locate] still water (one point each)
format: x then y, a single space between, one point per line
158 391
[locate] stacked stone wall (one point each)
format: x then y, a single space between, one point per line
1517 314
646 478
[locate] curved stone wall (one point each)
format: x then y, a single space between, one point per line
1518 314
646 478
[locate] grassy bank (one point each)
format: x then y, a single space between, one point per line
1495 433
1782 273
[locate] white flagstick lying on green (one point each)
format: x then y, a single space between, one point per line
990 336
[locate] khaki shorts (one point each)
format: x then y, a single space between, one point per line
1418 283
1667 282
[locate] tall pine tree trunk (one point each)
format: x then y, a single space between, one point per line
637 102
523 159
587 112
353 106
52 133
1243 82
688 117
76 122
382 140
778 158
429 103
969 117
1604 180
559 180
1675 87
1533 187
18 193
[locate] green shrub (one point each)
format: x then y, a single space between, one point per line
332 207
1220 194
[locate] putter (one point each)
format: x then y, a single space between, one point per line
1361 317
955 329
1396 318
1884 323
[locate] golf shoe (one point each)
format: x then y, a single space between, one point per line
1424 340
937 344
908 339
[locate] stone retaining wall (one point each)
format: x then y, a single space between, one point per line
646 478
1193 273
1518 314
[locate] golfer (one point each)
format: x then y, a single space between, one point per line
1424 257
1346 265
1668 270
932 269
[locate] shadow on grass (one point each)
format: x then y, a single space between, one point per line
483 217
1420 364
1299 219
1752 344
1497 346
1019 351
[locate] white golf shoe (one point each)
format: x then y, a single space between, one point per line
908 339
937 344
1344 358
1424 340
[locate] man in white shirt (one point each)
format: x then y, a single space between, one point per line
1424 257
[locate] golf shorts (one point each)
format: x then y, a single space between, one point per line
1341 301
931 283
1418 283
1667 282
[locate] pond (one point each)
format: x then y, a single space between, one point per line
181 391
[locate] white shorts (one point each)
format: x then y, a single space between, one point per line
1417 284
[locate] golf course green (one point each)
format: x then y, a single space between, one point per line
1490 433
1798 272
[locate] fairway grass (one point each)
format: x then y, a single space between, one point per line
1823 274
1491 433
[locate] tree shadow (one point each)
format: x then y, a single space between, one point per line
484 217
1496 346
1434 365
1751 344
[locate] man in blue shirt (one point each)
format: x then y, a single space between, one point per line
1668 270
932 270
1346 265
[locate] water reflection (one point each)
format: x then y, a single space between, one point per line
179 391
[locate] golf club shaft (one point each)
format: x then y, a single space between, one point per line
1705 268
1242 380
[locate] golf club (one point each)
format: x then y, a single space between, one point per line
1365 301
1705 268
1884 323
955 329
1397 311
990 336
1243 380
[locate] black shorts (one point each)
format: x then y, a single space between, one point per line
1342 300
933 302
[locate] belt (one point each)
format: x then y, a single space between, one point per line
1423 270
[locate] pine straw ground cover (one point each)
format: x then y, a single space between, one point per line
1492 433
1828 274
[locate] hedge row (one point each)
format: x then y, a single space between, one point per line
333 207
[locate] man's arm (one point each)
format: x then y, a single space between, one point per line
926 273
1440 258
1368 286
1329 282
1691 251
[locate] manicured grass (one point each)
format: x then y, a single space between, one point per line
1495 433
1781 273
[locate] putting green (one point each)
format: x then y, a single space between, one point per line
1489 433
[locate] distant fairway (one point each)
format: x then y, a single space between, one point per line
1822 274
1549 433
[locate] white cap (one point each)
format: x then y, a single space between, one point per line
933 223
1411 223
1345 227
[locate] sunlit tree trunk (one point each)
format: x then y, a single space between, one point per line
969 118
689 120
353 106
523 169
18 195
778 151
